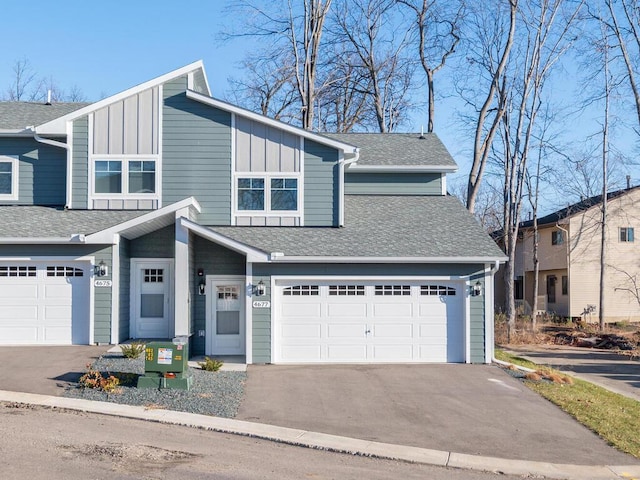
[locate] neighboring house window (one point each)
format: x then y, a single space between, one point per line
518 288
128 177
557 237
626 234
8 178
277 194
251 194
565 285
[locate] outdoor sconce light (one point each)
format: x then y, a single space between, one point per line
101 269
476 289
260 289
202 283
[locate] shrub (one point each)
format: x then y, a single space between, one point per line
94 379
132 350
211 364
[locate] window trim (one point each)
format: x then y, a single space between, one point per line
125 160
15 171
267 211
557 238
626 231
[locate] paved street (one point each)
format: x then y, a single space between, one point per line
41 444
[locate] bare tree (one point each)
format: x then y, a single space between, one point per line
24 80
363 26
437 26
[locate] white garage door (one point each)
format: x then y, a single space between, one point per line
44 303
369 322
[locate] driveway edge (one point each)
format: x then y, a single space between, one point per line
332 443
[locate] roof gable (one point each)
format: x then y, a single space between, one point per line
57 126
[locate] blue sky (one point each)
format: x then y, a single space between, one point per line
104 47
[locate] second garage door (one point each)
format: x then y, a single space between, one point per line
44 303
369 322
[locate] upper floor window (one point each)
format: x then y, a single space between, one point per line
626 234
557 237
274 194
125 176
8 178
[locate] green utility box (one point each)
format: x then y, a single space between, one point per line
166 365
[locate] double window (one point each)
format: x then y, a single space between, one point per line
8 178
276 194
129 177
626 234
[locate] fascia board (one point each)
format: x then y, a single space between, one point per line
58 125
310 259
105 235
39 241
214 102
21 132
402 168
252 254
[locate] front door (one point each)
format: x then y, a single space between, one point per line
151 305
551 289
225 315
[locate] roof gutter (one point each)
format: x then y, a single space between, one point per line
281 258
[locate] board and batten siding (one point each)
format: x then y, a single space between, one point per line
367 183
79 163
321 185
196 154
262 316
41 171
128 127
213 259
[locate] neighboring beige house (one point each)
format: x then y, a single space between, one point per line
569 255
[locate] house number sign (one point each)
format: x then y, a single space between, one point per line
102 283
261 304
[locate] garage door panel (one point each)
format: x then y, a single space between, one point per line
433 310
304 353
347 353
57 335
392 310
393 353
14 289
301 330
18 335
299 309
56 292
433 330
19 313
347 310
393 330
433 353
57 312
346 330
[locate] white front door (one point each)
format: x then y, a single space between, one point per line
225 317
151 298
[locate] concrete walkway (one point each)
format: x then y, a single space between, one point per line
610 370
333 442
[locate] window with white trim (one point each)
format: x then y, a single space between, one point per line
124 177
346 290
436 290
8 178
392 290
17 271
64 271
626 234
268 194
301 290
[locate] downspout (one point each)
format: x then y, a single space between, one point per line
341 167
566 242
55 143
489 311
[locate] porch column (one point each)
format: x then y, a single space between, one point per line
182 317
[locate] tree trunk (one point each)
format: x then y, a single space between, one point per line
431 101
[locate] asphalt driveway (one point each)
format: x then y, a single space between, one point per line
473 409
44 370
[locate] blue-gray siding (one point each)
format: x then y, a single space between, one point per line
321 185
393 183
213 259
101 296
125 282
158 244
79 163
196 154
41 171
262 317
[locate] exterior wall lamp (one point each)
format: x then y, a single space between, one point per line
101 269
260 289
476 289
202 283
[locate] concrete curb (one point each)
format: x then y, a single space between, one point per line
333 443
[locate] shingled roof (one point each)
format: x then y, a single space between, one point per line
19 115
381 226
397 149
49 222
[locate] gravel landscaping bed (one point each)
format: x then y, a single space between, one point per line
212 393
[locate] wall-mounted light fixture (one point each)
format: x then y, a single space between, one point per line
101 269
260 289
202 283
476 289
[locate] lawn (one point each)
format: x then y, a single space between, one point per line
612 416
